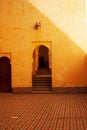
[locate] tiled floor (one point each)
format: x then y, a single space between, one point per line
43 112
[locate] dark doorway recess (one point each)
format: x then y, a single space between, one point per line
41 62
43 57
5 75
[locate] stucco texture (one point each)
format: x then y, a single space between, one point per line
17 34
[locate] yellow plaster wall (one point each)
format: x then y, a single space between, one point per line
17 18
68 15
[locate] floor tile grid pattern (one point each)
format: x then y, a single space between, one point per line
43 112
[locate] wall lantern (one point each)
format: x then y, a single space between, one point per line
37 25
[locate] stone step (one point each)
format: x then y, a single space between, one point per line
43 71
42 78
42 84
38 88
42 92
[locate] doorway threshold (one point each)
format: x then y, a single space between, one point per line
42 92
43 75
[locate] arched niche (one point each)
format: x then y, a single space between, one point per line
5 74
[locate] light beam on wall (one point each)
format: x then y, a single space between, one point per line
68 15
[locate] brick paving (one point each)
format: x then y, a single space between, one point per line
43 111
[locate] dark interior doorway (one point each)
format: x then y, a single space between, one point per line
43 57
5 75
41 62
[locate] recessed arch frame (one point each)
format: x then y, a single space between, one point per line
35 46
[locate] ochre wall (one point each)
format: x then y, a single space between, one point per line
68 15
69 61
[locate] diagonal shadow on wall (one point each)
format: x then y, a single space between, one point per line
69 65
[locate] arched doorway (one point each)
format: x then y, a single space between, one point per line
43 57
41 69
5 75
41 61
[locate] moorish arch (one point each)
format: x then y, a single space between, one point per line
41 60
5 75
